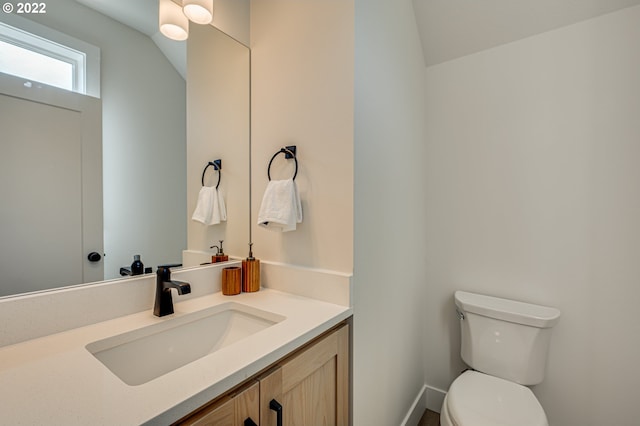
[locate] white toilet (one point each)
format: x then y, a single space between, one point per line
505 343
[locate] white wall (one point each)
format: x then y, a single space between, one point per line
302 94
144 133
389 264
533 191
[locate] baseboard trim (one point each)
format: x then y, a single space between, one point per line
417 409
428 398
434 398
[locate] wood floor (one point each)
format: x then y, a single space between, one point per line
430 418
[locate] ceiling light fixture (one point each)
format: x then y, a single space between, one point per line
174 20
173 23
198 11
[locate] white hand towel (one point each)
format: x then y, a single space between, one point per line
281 208
222 208
203 210
210 209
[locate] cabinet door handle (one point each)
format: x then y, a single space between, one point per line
275 406
249 422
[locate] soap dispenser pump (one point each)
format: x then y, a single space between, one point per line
219 256
250 272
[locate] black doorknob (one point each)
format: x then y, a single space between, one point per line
94 257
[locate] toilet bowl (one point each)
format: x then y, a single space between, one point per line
478 399
506 343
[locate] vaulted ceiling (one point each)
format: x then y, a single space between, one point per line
451 29
142 15
448 29
139 14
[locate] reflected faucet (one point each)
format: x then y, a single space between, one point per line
164 301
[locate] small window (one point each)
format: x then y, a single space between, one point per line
35 52
25 55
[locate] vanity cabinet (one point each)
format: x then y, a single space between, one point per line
308 387
240 407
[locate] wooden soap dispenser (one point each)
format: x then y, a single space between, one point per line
250 273
219 256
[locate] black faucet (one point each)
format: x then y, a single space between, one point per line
164 301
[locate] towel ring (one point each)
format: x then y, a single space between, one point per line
289 152
217 165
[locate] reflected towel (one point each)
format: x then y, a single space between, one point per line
281 208
210 209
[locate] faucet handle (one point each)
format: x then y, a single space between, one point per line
163 273
169 265
165 270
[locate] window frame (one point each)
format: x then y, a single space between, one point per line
83 57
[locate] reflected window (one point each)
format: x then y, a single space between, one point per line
41 56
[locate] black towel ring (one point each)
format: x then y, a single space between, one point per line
217 165
289 152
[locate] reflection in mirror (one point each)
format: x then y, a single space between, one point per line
144 167
218 123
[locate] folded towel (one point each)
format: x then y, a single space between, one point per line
210 209
281 208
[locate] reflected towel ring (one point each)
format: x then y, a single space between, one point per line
217 165
289 152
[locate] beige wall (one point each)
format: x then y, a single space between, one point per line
302 94
232 17
533 192
218 128
343 81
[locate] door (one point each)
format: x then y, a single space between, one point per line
310 388
50 187
239 409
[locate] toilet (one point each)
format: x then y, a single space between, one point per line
505 343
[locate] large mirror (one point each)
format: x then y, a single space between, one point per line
150 175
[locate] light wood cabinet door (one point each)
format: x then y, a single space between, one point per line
239 409
247 406
308 388
312 387
222 414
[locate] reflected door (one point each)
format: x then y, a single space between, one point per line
50 187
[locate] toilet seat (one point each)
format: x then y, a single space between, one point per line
478 399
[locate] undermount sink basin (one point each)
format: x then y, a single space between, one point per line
139 356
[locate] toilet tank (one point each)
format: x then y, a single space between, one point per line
505 338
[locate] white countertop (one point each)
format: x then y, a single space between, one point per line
55 380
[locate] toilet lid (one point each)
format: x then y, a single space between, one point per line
481 400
